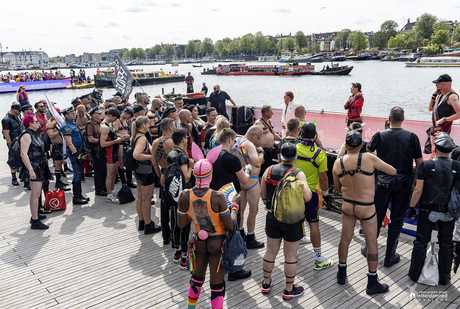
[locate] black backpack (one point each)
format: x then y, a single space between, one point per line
125 195
14 153
174 182
129 162
46 142
86 146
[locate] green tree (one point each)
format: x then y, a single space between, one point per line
227 41
411 41
224 52
425 42
168 51
120 53
380 39
234 47
424 26
271 44
219 46
207 47
359 41
457 34
396 42
191 49
178 53
442 25
260 42
390 27
342 37
245 44
155 51
126 53
301 39
441 37
289 43
280 45
351 38
141 53
133 53
316 48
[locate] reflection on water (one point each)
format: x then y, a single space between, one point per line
385 84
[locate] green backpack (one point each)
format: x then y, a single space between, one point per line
288 205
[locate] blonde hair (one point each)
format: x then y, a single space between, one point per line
221 124
81 108
135 126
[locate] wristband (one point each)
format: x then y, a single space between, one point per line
262 152
247 171
325 193
236 206
433 97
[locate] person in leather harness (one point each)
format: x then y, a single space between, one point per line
268 138
144 175
444 105
212 218
57 152
435 179
358 188
229 169
277 231
399 148
35 169
313 162
97 153
161 147
154 116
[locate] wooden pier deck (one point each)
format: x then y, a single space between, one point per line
92 256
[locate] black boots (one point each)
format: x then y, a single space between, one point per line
391 257
252 243
141 225
37 225
342 274
390 262
151 228
78 198
374 286
59 184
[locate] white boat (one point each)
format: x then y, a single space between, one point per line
435 62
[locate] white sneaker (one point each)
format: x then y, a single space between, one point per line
112 199
298 253
305 240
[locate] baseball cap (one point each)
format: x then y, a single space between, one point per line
76 100
137 108
69 110
94 110
443 79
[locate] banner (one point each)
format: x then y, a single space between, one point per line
123 80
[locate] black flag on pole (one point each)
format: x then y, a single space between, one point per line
123 80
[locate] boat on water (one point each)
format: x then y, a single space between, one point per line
81 86
254 70
409 58
197 65
296 69
314 58
334 70
364 56
338 58
140 77
36 86
433 62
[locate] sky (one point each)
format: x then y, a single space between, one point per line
65 27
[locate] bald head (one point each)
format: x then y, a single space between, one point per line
185 115
255 129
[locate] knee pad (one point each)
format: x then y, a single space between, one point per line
217 295
194 290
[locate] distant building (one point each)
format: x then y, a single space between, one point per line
323 39
26 58
410 26
72 58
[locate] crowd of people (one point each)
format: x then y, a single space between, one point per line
31 76
94 135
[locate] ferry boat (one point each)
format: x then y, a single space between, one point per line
296 69
141 78
36 86
435 62
334 70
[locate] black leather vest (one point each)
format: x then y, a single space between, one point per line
220 177
35 152
436 189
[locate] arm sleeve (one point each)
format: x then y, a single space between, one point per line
322 162
227 97
375 142
65 130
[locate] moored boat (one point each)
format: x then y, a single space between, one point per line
36 86
296 69
338 58
334 70
433 62
140 77
197 65
82 86
365 56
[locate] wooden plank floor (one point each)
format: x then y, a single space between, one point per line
92 256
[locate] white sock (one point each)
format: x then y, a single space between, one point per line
318 255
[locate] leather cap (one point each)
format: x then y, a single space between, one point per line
353 139
288 152
444 143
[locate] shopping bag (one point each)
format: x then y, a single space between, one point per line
430 272
55 200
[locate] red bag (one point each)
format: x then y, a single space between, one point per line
55 200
